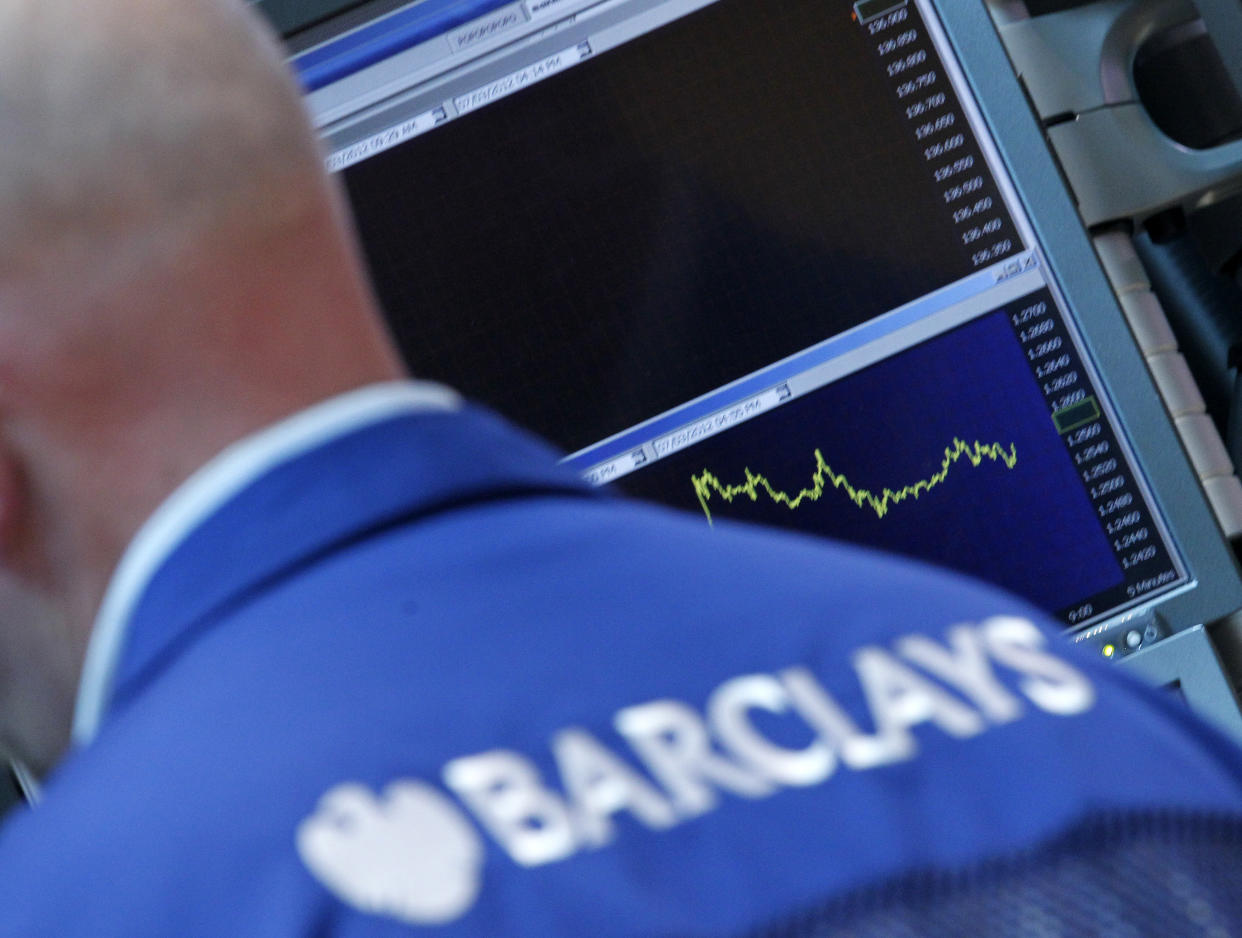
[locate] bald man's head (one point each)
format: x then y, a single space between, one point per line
176 271
143 122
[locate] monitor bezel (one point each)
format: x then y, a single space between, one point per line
1046 197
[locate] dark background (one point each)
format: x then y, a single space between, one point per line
657 221
291 16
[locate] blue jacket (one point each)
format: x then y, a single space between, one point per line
421 680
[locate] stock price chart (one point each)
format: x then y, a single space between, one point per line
983 449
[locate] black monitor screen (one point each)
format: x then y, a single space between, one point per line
759 261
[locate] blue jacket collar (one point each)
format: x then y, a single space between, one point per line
385 474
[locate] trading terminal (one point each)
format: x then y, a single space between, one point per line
960 282
955 280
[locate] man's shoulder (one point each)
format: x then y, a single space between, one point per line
504 623
607 783
648 724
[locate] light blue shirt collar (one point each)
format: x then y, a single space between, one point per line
195 500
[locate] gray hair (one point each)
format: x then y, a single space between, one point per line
155 120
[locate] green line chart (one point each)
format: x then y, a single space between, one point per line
824 479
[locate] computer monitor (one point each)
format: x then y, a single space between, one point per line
805 263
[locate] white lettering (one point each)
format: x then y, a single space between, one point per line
1052 684
899 698
505 792
673 742
727 713
598 784
857 749
411 853
965 666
